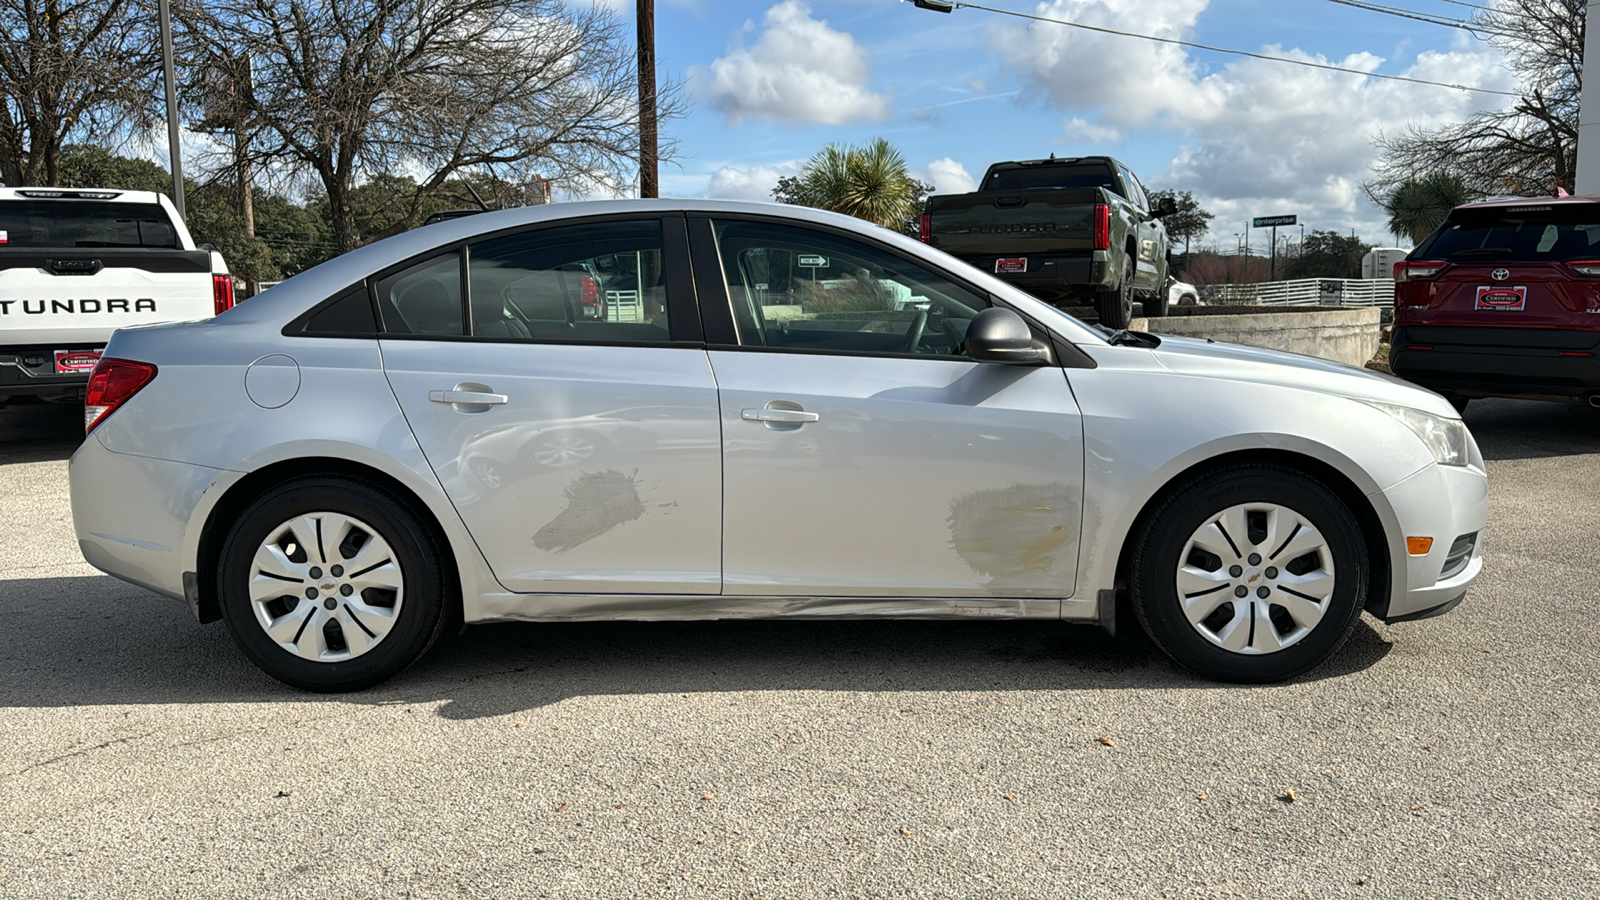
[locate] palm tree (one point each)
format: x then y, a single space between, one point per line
1419 205
869 182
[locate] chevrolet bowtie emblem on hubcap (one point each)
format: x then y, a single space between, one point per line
1500 274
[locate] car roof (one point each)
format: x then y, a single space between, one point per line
1521 202
104 195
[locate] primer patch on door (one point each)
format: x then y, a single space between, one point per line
1014 535
596 503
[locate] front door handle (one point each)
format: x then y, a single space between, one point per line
782 416
475 398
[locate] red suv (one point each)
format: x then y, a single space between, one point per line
1503 300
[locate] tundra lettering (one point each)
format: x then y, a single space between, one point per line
91 305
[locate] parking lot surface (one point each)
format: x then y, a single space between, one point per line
141 755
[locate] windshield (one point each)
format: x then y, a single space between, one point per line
1533 233
76 223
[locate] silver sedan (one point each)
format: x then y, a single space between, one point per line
700 410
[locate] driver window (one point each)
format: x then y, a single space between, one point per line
796 288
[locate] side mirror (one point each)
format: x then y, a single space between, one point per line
1166 206
1001 336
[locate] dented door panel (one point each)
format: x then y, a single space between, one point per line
599 473
917 478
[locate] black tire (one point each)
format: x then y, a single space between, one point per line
418 622
1155 305
1115 307
1165 534
1188 300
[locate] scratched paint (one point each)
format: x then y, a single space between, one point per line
596 503
1014 535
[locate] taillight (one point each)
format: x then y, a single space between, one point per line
111 383
1589 267
1102 227
925 228
222 293
588 291
1416 271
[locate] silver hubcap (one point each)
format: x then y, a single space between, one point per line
1255 578
326 587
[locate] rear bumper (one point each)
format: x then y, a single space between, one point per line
1050 276
1498 362
132 514
31 372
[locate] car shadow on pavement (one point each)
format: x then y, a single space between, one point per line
90 641
35 432
1530 429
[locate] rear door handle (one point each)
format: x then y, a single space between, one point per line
784 416
482 398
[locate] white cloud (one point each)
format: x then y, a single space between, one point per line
947 177
1261 137
799 71
1078 128
748 182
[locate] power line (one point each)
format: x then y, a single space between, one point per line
1207 47
1476 30
1409 14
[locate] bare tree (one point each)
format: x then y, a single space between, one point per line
69 69
1527 148
428 88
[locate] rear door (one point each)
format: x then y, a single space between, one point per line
581 446
1150 235
72 271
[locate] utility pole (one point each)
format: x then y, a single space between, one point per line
647 99
173 151
1587 180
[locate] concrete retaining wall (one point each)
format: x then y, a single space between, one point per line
1343 335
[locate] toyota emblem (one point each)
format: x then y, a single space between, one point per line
1500 274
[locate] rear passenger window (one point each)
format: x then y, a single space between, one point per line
599 281
424 299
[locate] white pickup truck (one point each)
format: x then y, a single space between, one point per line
76 265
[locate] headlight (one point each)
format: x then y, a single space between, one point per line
1445 438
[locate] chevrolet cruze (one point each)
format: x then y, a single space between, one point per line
775 412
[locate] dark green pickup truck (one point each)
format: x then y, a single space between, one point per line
1064 230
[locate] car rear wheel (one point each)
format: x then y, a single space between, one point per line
1115 307
1251 574
331 584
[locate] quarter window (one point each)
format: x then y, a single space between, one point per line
801 289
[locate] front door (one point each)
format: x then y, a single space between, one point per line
863 454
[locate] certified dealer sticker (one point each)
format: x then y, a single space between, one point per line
1502 298
1015 265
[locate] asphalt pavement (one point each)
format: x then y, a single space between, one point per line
141 755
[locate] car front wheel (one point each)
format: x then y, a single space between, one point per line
1250 574
331 584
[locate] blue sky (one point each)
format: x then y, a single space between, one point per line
768 83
